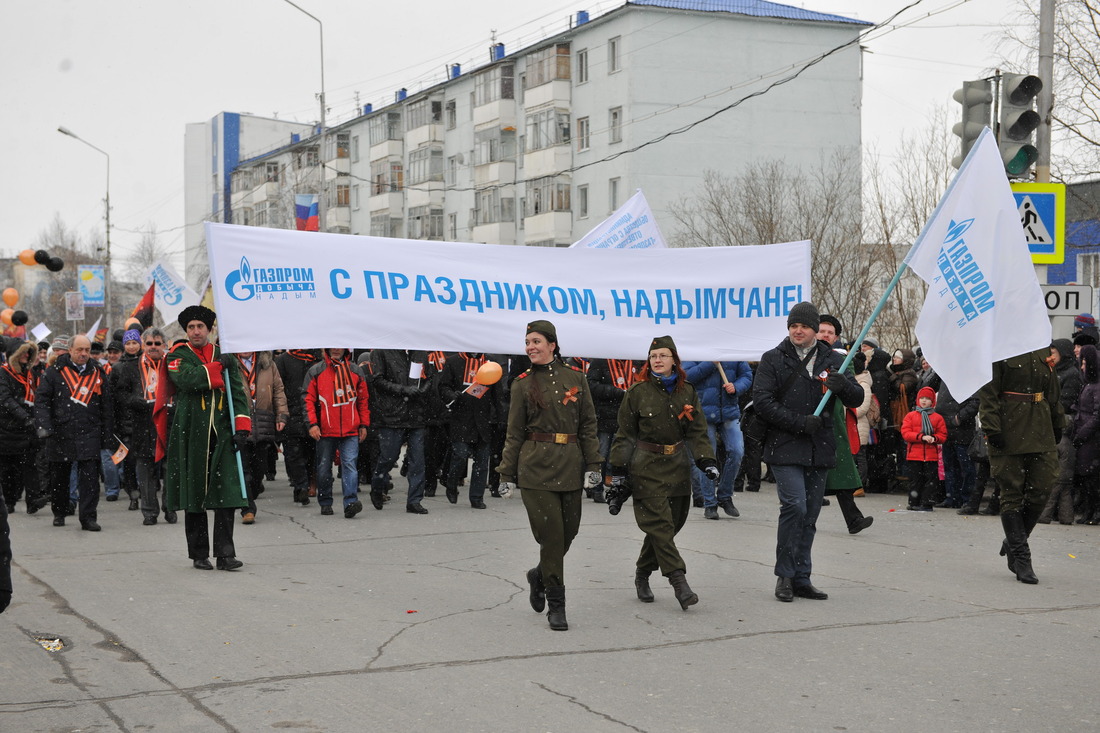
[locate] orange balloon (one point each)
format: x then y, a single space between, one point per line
133 323
5 316
489 373
27 257
11 297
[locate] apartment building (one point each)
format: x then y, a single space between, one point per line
539 145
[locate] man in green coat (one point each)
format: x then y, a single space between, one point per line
1022 417
202 469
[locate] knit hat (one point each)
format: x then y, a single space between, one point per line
804 313
114 346
546 328
826 318
196 313
132 335
929 393
665 342
1082 320
870 342
61 343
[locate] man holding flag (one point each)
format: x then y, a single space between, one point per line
211 420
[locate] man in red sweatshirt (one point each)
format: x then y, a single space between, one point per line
336 407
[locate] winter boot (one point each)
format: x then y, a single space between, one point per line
1018 549
684 594
993 508
555 599
538 590
641 584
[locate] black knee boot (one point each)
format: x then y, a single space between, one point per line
555 599
684 593
1018 549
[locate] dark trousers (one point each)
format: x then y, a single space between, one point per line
254 462
299 454
923 480
847 503
800 490
959 473
1025 479
148 481
15 471
460 452
198 537
127 473
389 447
87 483
436 444
661 518
749 475
496 449
555 518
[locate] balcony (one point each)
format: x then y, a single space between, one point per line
555 225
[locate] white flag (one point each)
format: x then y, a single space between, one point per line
172 293
93 329
632 226
984 303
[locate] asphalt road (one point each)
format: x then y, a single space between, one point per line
397 622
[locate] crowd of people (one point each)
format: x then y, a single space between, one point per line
182 427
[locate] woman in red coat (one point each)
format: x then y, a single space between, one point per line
923 431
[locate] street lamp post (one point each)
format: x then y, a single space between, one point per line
107 259
324 131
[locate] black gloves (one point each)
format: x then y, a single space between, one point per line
813 424
408 390
240 439
226 360
836 382
995 440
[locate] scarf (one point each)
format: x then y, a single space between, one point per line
669 382
926 420
25 378
343 393
82 386
303 355
149 370
622 372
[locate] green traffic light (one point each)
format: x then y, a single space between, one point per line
1019 158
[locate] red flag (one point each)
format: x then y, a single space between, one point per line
143 311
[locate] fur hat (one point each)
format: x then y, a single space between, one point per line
826 318
196 313
804 313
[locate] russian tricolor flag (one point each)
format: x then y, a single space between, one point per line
305 212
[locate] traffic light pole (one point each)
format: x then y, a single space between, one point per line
1046 95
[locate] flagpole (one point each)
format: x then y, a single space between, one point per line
233 425
902 268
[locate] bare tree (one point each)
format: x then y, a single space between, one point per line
150 250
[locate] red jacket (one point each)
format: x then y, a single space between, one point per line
336 405
911 433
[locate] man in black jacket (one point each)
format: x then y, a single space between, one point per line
958 469
73 410
299 450
608 379
473 410
799 445
400 383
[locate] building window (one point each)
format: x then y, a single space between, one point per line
307 158
546 128
272 172
546 194
339 192
491 208
425 164
582 66
613 61
452 114
425 222
424 112
386 176
582 201
355 148
613 193
496 83
582 133
339 145
615 125
452 227
493 145
1088 268
548 64
384 225
356 196
452 171
384 126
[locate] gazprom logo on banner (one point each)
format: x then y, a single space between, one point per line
962 276
168 289
248 283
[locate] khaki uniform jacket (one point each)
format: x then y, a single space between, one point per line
650 414
543 465
1027 427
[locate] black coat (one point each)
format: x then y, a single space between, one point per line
76 432
124 424
471 418
292 369
958 416
134 406
16 417
787 442
396 401
607 395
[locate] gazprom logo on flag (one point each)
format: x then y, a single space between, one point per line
962 277
249 283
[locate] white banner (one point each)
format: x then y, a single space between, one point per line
275 288
172 293
984 303
632 226
95 327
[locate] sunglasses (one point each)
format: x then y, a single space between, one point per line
154 343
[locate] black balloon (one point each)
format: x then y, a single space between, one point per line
42 257
55 264
19 318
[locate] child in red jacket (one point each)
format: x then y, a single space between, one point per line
925 431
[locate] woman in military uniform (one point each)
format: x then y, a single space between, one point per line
661 425
550 451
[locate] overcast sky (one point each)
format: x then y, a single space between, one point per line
127 75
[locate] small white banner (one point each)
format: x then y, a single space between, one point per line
172 293
275 288
632 226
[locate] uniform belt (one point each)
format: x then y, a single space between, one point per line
559 438
664 450
1022 396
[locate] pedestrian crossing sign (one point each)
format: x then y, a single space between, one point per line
1042 208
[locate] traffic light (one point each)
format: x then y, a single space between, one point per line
976 98
1017 122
